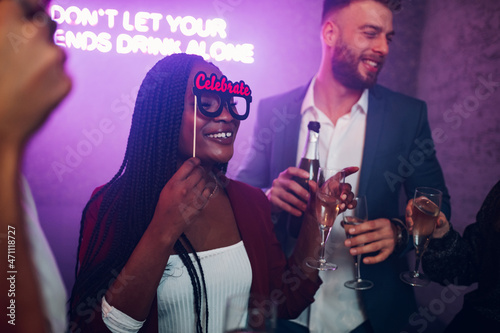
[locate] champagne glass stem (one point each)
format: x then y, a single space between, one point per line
358 269
417 264
322 248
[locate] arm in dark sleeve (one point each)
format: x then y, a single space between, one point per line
87 312
421 167
427 170
453 259
291 286
284 281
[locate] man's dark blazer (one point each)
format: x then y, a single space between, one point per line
398 156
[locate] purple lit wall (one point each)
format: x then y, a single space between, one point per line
83 143
459 77
442 52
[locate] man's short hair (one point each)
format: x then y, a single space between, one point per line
334 5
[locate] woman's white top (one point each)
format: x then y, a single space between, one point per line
227 272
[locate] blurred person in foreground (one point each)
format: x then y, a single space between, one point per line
32 83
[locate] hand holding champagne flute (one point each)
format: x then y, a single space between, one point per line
327 205
425 212
332 197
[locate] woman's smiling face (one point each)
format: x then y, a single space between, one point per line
214 136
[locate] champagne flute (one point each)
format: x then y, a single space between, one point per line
327 209
250 313
425 212
353 217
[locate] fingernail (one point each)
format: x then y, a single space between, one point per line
347 243
343 196
354 251
352 230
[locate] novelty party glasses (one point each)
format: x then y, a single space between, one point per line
213 94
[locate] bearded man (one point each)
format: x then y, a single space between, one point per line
363 124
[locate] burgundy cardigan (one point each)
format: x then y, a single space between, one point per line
272 274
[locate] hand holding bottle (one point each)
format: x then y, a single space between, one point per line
290 191
286 194
310 163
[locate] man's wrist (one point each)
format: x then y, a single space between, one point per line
402 235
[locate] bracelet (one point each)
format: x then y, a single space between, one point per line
403 235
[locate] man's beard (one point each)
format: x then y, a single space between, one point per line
345 68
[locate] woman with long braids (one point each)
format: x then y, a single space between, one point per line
169 237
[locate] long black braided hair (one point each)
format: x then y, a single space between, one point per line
130 197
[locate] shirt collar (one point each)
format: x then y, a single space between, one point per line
309 106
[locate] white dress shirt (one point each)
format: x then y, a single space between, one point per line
336 308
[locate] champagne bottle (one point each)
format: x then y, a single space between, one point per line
310 163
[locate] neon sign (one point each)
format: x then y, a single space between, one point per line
146 32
